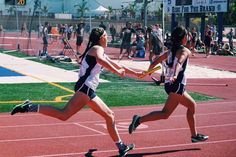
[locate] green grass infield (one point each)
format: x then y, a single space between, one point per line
118 92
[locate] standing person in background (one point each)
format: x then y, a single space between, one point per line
1 30
45 39
24 30
156 42
79 37
93 60
127 33
102 25
194 41
69 31
230 37
112 32
175 81
207 40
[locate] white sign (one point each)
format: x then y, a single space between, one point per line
63 16
195 6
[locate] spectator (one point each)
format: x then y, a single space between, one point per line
69 31
139 47
1 30
102 25
225 50
207 40
45 39
230 37
126 33
79 37
113 33
156 42
24 30
194 41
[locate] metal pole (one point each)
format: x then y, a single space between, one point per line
163 49
17 26
40 11
145 12
90 22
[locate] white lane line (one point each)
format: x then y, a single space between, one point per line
47 138
140 148
124 133
118 120
140 108
90 129
177 129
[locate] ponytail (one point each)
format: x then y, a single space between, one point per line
94 38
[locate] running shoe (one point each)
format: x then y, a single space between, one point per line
199 138
124 150
135 123
24 107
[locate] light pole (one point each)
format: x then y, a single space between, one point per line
146 2
17 26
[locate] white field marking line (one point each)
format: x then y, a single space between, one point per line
102 133
141 148
133 108
9 51
22 38
5 44
123 133
28 49
178 129
120 120
47 138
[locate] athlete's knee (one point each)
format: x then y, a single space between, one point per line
165 114
110 117
191 111
191 108
64 115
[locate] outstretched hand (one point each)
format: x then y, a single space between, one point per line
121 72
139 74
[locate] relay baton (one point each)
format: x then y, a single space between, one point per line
150 71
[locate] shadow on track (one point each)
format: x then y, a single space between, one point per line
90 153
159 153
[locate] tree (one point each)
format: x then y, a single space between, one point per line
110 12
229 17
82 8
11 10
44 10
132 9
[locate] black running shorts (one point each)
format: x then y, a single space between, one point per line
175 87
85 89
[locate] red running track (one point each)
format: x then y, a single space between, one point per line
85 135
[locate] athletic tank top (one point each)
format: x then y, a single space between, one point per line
90 71
181 78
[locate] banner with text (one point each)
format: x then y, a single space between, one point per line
195 6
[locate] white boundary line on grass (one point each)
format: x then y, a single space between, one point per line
140 148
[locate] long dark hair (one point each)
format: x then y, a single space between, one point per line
177 36
94 38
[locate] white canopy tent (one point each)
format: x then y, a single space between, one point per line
100 9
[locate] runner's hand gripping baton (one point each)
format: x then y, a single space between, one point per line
150 71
